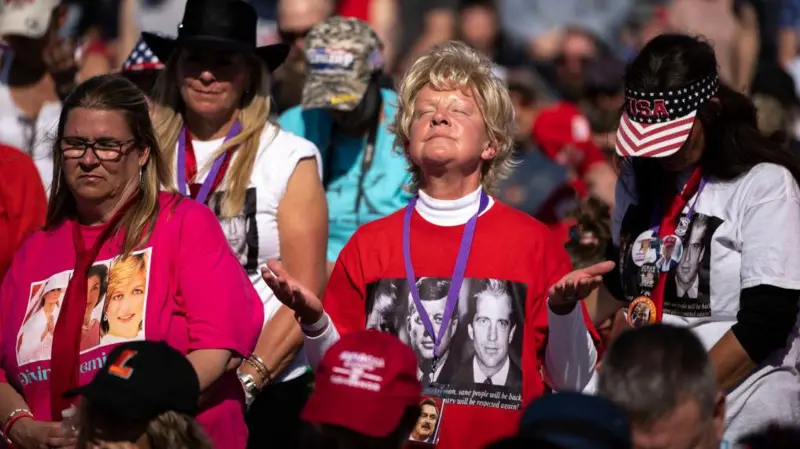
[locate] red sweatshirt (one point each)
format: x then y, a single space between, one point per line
514 260
23 204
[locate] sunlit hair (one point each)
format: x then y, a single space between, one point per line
253 115
121 273
169 430
450 66
114 93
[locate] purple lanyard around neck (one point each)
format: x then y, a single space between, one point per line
205 189
458 272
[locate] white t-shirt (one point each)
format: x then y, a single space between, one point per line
745 232
253 235
34 137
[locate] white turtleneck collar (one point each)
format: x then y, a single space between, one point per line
450 212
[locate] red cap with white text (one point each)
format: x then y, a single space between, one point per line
365 382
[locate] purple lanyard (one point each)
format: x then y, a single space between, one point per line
458 273
205 189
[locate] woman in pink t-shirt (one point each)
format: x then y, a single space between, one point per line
119 261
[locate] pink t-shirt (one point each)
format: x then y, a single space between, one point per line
185 287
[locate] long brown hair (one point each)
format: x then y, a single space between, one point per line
113 92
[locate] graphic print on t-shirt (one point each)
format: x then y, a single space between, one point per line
241 231
115 307
481 348
686 292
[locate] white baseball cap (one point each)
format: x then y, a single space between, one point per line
28 18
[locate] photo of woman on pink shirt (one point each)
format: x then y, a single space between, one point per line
123 312
96 292
36 335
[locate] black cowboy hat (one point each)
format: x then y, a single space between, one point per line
218 24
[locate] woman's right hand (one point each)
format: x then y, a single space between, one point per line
305 304
30 434
578 284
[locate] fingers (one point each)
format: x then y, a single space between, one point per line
277 268
599 269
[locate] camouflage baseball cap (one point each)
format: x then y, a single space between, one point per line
342 54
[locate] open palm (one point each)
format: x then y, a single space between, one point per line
578 284
305 304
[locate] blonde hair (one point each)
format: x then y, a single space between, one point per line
169 122
114 93
173 430
454 65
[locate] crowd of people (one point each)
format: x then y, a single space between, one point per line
381 224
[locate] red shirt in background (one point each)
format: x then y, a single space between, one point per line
358 9
23 204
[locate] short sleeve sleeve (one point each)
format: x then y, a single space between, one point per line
284 152
223 310
770 229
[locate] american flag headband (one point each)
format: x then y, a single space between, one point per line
659 106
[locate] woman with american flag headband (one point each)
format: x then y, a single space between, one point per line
697 172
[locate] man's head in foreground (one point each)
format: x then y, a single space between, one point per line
662 377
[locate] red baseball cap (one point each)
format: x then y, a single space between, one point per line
369 371
562 125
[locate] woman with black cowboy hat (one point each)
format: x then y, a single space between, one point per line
264 184
697 173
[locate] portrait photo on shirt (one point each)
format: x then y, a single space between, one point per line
686 292
481 348
241 231
426 429
115 307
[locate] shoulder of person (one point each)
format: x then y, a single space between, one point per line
179 209
766 182
516 222
389 225
277 141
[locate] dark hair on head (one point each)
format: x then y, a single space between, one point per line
101 271
650 371
329 436
592 216
427 401
733 142
433 289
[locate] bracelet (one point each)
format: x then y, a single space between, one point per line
258 363
13 417
318 326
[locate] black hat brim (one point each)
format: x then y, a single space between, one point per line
163 47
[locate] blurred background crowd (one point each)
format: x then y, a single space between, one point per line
563 62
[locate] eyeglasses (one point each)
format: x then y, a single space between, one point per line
104 150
